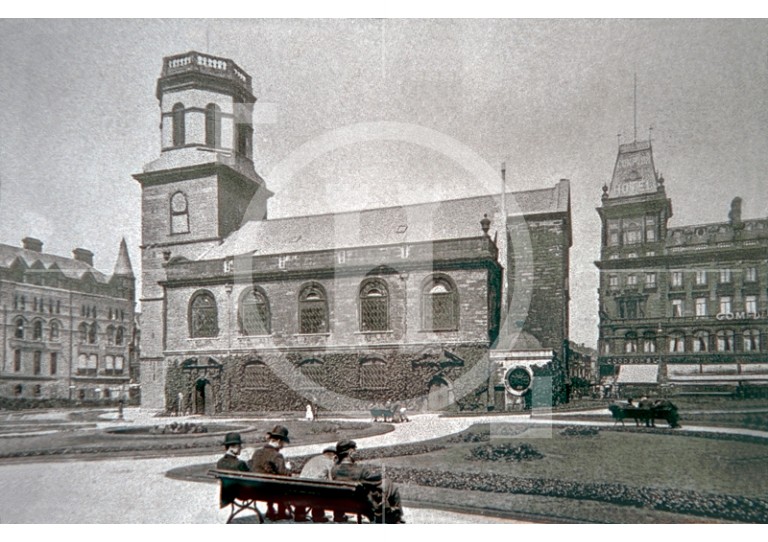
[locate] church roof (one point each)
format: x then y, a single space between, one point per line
69 267
634 173
424 222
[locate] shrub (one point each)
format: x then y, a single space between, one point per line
504 452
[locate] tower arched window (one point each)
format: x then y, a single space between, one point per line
254 315
179 129
213 125
313 309
440 305
374 306
179 213
203 315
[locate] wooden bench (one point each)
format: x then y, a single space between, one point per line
242 490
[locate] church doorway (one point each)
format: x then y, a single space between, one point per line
440 394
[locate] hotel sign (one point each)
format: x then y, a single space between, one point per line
741 315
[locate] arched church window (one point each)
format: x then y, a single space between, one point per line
203 315
313 309
373 374
254 316
440 305
213 125
374 306
179 213
178 125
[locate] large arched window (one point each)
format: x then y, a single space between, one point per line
374 306
256 375
110 335
93 333
751 340
254 315
120 336
440 305
82 332
701 341
313 309
373 374
178 125
203 315
55 331
213 125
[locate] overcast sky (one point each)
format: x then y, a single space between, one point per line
79 117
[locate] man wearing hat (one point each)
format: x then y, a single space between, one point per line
269 460
317 468
233 445
382 493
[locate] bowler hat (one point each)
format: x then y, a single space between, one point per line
232 438
279 432
330 450
345 445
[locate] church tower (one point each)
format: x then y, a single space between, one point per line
200 189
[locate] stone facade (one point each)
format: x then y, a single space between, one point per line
68 329
401 304
681 308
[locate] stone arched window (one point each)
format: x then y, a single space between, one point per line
676 342
213 125
55 333
254 316
93 333
701 341
751 340
19 328
179 207
374 305
439 304
373 374
110 335
725 340
203 315
82 331
179 130
37 330
120 336
313 309
630 342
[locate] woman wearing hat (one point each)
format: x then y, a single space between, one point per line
382 493
233 445
269 460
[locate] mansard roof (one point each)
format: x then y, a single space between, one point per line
424 222
634 172
69 267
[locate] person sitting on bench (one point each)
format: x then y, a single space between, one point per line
233 444
382 493
269 460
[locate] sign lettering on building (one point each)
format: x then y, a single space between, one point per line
741 315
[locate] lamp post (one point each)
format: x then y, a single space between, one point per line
662 378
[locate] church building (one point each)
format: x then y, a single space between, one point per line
430 305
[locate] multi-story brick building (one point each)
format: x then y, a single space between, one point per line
67 327
684 307
241 312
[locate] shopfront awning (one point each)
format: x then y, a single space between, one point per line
638 374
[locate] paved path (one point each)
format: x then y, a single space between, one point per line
137 490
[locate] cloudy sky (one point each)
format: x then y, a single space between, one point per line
547 97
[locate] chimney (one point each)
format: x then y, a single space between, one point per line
30 243
83 255
735 215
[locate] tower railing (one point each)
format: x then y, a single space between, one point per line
203 63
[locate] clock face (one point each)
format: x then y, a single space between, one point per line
178 202
518 380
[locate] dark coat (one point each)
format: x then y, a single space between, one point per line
230 462
383 496
268 460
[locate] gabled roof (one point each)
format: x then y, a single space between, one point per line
69 267
436 221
